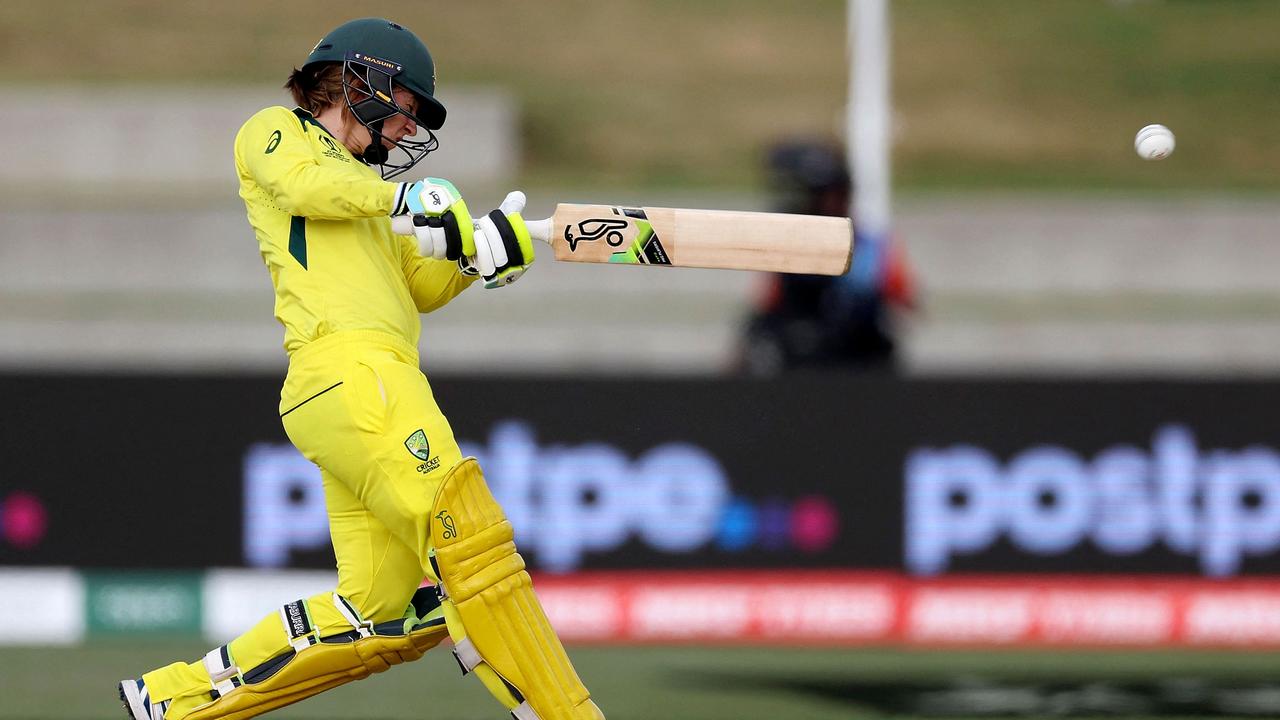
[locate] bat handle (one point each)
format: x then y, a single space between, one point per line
402 225
538 229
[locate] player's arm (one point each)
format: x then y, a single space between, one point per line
274 150
432 283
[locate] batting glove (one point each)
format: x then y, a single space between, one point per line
441 222
504 248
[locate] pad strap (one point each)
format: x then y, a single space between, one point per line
468 656
296 617
224 676
348 612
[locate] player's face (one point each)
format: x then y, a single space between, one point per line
398 127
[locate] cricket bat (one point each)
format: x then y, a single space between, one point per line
772 242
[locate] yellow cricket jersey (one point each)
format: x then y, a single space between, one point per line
321 217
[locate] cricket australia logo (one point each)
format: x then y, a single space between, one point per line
446 520
418 446
595 228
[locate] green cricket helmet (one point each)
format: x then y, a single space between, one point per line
382 54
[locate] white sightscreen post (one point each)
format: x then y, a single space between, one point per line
868 132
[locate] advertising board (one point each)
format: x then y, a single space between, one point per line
929 477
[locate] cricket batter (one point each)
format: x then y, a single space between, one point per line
403 503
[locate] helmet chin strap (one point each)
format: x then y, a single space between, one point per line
376 153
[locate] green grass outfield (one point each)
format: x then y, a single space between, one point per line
644 683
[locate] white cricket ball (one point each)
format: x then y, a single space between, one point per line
1154 142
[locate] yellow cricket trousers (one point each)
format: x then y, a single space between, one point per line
357 405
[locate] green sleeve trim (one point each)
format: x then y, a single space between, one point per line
298 239
305 118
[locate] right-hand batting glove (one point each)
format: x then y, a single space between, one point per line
441 221
504 248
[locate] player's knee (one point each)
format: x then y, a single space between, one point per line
379 602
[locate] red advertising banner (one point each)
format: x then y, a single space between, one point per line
870 608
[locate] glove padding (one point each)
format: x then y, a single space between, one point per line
441 222
503 246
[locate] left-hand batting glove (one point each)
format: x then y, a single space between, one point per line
441 221
504 248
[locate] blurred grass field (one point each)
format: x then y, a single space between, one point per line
991 94
678 683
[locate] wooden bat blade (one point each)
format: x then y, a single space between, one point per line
773 242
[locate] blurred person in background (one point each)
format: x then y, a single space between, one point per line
816 321
403 503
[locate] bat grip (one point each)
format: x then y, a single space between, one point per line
402 225
538 229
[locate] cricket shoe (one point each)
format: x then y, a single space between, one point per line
133 693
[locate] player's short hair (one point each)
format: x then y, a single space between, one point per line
317 87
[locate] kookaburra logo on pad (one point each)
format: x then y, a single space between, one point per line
595 228
450 531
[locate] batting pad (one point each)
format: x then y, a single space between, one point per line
498 627
331 661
